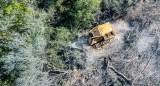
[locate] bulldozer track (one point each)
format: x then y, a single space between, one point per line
101 44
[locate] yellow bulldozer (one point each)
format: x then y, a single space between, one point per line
101 35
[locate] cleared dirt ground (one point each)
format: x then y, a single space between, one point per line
132 58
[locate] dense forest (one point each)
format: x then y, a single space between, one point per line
37 42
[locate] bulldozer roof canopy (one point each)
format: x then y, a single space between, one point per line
101 30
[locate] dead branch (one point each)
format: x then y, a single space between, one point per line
129 81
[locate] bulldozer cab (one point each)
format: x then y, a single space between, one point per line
100 35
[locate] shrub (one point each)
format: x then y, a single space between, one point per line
7 78
75 58
58 63
64 34
3 43
85 12
79 14
58 38
18 13
45 4
3 50
3 4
